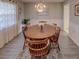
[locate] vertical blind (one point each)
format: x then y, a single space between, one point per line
7 15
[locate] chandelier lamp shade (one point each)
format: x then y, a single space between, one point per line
40 7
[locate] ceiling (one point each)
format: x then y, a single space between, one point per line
43 0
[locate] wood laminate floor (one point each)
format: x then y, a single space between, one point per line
13 50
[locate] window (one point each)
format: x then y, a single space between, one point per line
7 14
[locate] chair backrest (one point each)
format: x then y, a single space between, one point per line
57 34
23 31
24 28
39 51
31 41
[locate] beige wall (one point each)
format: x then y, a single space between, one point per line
54 13
73 21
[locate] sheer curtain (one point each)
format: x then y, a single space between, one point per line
7 21
7 15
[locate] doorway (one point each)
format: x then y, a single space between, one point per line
66 17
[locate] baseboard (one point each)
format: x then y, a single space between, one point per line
11 40
73 40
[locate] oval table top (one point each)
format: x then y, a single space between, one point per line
35 32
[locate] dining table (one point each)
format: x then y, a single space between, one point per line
40 31
38 37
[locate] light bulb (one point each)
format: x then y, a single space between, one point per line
40 7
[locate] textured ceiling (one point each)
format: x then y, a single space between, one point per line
43 0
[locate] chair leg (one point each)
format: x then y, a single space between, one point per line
24 46
31 57
58 47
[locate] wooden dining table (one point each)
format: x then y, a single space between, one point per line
35 32
38 38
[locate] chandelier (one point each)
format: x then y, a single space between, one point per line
40 7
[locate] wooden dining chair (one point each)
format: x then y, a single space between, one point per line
38 49
54 39
23 31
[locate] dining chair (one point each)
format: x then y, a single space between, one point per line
54 39
24 29
38 49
